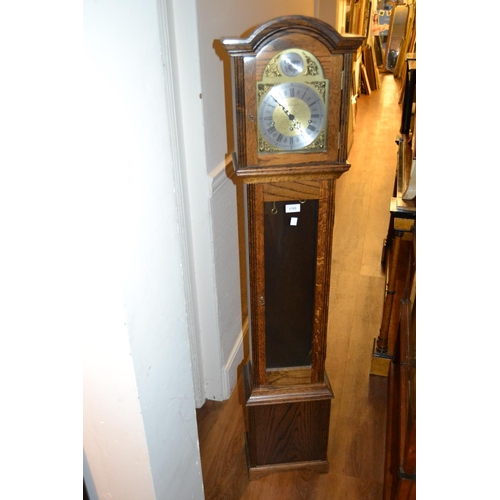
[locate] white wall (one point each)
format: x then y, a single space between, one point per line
333 13
140 434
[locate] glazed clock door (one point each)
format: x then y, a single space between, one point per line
294 103
290 236
290 225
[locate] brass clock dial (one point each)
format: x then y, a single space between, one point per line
292 104
291 116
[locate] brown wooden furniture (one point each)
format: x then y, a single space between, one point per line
291 89
400 461
402 222
402 225
394 352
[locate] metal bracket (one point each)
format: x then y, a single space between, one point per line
403 475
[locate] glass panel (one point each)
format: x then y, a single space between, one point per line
290 238
400 15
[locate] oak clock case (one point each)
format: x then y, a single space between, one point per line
291 81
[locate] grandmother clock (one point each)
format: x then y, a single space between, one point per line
291 95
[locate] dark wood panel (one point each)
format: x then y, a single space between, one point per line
290 270
296 432
400 462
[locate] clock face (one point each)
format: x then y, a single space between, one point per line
291 115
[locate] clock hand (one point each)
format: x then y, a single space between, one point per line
290 116
297 124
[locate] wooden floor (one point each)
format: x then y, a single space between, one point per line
358 416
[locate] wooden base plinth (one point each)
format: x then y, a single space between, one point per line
287 426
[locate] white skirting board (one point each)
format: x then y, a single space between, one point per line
230 369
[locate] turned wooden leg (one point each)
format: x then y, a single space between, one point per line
383 338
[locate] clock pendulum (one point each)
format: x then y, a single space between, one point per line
291 95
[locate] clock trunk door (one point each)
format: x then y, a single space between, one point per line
290 225
290 237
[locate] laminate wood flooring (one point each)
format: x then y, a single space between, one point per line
358 415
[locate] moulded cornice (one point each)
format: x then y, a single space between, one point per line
238 47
